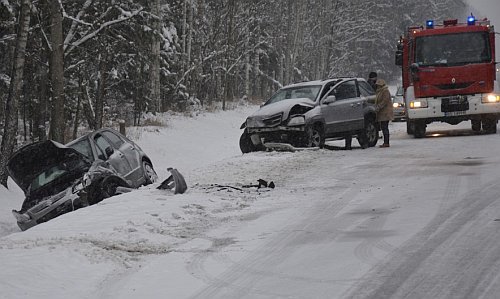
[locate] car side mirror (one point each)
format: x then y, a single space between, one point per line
109 151
329 100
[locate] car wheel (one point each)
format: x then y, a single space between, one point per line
476 125
108 187
246 144
150 175
371 132
315 136
419 130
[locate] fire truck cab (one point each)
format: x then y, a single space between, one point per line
449 75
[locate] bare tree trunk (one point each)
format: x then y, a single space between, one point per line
101 92
189 35
40 106
256 66
88 109
57 121
247 57
230 45
77 117
15 89
155 91
183 37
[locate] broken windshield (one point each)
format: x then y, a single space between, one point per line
452 49
310 92
56 171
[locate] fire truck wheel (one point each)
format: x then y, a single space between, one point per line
476 125
410 127
490 126
419 130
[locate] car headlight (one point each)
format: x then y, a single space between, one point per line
418 104
86 181
490 98
82 184
298 120
77 188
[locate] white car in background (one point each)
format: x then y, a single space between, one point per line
398 104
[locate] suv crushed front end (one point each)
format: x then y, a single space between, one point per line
273 126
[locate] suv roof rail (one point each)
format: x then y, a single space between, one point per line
338 77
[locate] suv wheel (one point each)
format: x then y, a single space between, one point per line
315 136
246 144
368 137
371 132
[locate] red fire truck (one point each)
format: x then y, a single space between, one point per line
449 75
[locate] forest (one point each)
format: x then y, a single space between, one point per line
68 64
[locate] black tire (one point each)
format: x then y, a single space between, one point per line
369 136
109 185
246 144
490 125
315 136
420 130
410 127
150 175
476 125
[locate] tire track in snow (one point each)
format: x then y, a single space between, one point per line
439 243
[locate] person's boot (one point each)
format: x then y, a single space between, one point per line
385 145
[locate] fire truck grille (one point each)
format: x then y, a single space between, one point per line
457 103
454 86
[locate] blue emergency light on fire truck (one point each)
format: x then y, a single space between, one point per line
449 74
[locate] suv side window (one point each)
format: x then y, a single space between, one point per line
346 90
102 144
84 148
114 139
365 89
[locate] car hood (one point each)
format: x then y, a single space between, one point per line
29 161
282 107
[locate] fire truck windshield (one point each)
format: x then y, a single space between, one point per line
452 49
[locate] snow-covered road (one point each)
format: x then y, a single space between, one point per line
417 220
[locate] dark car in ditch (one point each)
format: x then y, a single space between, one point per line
307 114
58 178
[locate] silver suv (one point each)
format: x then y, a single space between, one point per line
307 114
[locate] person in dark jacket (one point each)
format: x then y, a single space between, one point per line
383 107
372 78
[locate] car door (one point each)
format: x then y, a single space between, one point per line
116 159
129 151
343 114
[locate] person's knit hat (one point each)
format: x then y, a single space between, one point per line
372 75
380 82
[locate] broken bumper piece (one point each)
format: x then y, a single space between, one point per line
175 182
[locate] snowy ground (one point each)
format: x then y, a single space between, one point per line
419 220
